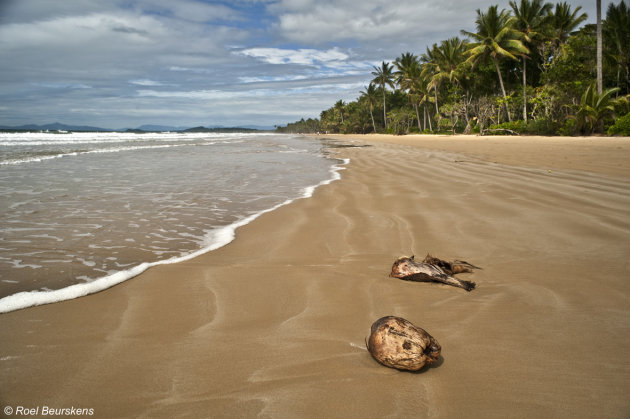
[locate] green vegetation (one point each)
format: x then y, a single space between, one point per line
528 69
621 126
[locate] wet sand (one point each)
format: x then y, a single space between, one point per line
273 324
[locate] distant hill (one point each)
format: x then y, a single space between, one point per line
160 128
221 129
260 127
56 126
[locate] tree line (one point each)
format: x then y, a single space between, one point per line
527 69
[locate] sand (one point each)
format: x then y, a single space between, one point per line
273 324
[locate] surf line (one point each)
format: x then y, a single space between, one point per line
215 238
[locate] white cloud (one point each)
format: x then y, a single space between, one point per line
189 69
312 87
329 88
146 82
381 21
295 56
206 94
267 79
73 31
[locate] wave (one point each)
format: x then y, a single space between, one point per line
38 139
27 148
40 158
213 240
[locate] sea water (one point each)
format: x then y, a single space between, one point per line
81 212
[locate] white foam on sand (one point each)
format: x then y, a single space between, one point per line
213 240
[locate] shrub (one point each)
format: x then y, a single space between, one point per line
621 126
532 127
569 127
516 126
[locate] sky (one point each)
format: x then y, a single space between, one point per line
124 63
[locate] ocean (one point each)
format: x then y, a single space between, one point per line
81 212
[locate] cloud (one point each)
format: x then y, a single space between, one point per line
382 21
308 64
281 89
146 82
195 94
105 47
268 79
295 56
63 85
189 69
189 10
72 31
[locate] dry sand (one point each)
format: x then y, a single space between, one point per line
273 325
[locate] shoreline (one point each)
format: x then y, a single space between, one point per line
273 324
222 236
132 233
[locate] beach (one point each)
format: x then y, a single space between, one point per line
274 323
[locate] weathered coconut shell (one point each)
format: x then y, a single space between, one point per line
398 343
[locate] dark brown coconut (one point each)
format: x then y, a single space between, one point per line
398 343
432 269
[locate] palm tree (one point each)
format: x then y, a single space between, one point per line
495 38
600 85
339 107
405 65
419 92
617 35
444 62
383 77
594 107
430 68
531 20
450 55
563 22
408 74
370 97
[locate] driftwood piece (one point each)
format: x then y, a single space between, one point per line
398 343
432 269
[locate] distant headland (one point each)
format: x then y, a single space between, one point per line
61 128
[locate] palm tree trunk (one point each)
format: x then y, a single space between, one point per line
415 105
600 86
507 110
524 88
466 102
424 117
437 109
384 110
372 116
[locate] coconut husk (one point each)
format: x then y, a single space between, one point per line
432 269
397 343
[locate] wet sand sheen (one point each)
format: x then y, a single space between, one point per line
273 324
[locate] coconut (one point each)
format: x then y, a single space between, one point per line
398 343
